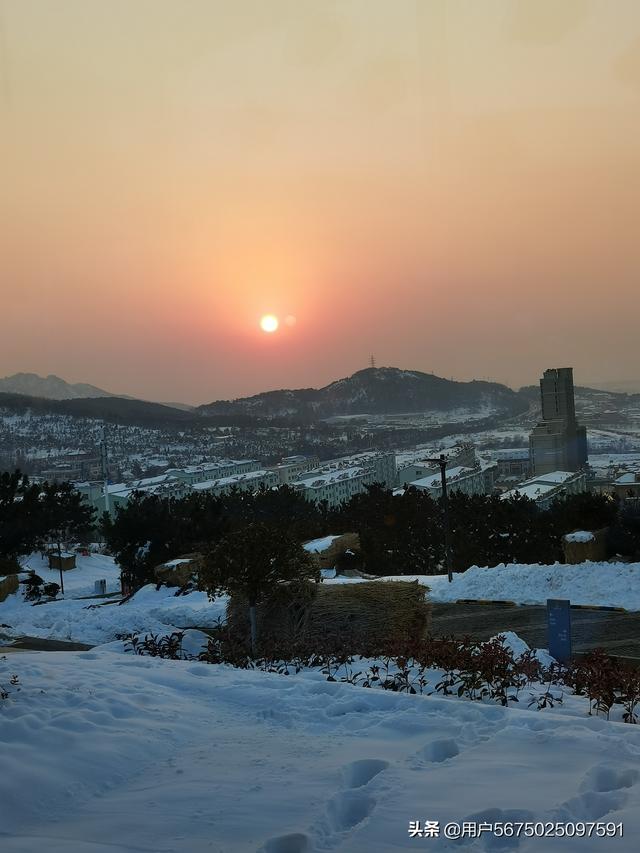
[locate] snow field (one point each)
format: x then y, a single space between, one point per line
111 752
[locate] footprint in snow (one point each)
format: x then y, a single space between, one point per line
360 773
349 807
440 750
603 790
605 777
295 842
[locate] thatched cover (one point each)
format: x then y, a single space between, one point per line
360 617
579 551
8 585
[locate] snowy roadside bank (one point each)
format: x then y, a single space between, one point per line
75 618
605 584
151 610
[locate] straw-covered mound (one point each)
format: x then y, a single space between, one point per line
360 617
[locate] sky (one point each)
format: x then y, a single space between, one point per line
448 185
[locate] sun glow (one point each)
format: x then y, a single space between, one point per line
269 323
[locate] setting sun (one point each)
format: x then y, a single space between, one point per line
269 323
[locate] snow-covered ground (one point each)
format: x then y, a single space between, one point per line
81 580
604 584
95 621
103 751
92 622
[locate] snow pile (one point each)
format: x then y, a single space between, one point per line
609 584
579 536
109 750
151 610
518 648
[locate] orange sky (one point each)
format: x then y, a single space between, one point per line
451 185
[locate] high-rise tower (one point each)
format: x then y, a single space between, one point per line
558 442
556 391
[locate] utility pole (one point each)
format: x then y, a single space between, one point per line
60 565
442 462
105 468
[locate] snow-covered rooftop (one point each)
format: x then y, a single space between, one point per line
434 481
323 478
231 480
317 546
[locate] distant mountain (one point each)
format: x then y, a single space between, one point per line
377 390
49 387
118 410
592 404
624 386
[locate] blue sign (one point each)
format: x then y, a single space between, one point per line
559 628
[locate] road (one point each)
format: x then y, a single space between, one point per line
618 633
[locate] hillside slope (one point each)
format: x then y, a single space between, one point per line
378 390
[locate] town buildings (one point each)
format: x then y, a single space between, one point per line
340 479
214 470
293 467
545 488
252 481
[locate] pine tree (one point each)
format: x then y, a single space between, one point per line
64 516
20 517
252 563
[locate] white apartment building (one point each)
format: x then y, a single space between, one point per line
292 468
470 481
339 479
334 486
547 487
119 493
214 470
414 465
251 482
381 466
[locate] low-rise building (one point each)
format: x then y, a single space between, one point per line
513 463
291 468
214 470
469 481
547 487
250 482
627 485
334 485
340 479
119 493
415 465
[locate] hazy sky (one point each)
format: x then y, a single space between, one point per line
451 185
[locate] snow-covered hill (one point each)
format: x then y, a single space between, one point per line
378 390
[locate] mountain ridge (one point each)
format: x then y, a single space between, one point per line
374 390
50 387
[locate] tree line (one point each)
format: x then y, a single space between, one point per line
399 533
39 515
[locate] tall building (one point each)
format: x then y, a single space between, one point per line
556 391
558 442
